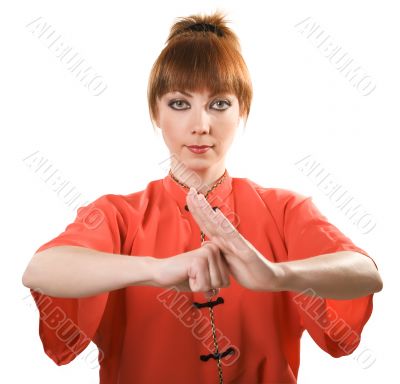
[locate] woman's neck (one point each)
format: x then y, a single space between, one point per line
201 179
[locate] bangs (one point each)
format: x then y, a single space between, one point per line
197 66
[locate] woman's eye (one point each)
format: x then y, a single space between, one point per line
177 103
227 103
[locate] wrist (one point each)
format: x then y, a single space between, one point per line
153 266
284 276
144 270
281 273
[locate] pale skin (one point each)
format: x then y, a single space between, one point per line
71 271
198 118
339 275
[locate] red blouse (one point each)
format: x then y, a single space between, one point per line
156 335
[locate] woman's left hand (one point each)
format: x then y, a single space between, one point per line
246 264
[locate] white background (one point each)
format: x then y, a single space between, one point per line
105 144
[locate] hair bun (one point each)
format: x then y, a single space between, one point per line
216 23
205 27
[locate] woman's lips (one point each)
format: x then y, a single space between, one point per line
199 148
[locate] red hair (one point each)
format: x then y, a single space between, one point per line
197 60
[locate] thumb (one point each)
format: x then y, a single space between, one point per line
206 242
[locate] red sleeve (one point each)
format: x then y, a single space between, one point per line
335 325
67 325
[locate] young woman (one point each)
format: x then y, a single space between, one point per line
201 277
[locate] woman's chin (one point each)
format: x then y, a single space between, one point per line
197 164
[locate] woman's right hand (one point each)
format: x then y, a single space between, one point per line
199 270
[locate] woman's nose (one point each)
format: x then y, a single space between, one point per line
200 122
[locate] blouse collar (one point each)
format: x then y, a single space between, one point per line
179 192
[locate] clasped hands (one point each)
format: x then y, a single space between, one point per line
226 253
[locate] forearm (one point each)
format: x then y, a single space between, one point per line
71 271
340 275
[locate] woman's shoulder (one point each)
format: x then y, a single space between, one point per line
130 199
272 195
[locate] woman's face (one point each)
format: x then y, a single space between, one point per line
190 119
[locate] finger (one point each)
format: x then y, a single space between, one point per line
224 270
220 243
199 275
215 222
195 208
226 228
223 266
230 235
204 215
215 262
192 203
206 242
214 268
